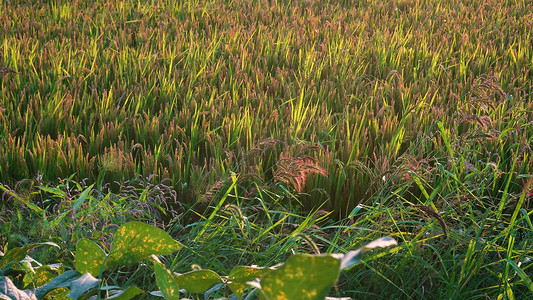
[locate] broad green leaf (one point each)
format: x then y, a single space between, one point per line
18 254
302 277
354 257
59 293
135 241
198 281
240 275
61 281
129 293
82 285
9 291
89 257
39 277
166 282
82 198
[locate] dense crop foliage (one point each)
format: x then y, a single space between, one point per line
405 118
185 89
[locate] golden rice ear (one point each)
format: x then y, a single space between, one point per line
4 71
487 93
294 171
485 121
428 210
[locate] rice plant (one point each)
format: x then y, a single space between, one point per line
261 128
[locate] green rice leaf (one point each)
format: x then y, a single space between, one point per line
82 197
527 281
354 257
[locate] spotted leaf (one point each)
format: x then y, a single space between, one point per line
240 275
41 275
166 281
302 277
135 241
89 257
198 281
18 254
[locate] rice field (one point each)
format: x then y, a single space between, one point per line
252 130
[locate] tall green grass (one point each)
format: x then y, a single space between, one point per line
177 89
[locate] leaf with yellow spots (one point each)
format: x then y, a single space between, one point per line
41 275
135 241
301 277
18 254
89 257
198 281
166 281
240 275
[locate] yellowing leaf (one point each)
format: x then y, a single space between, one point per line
240 275
302 277
18 254
166 282
89 257
135 241
198 281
